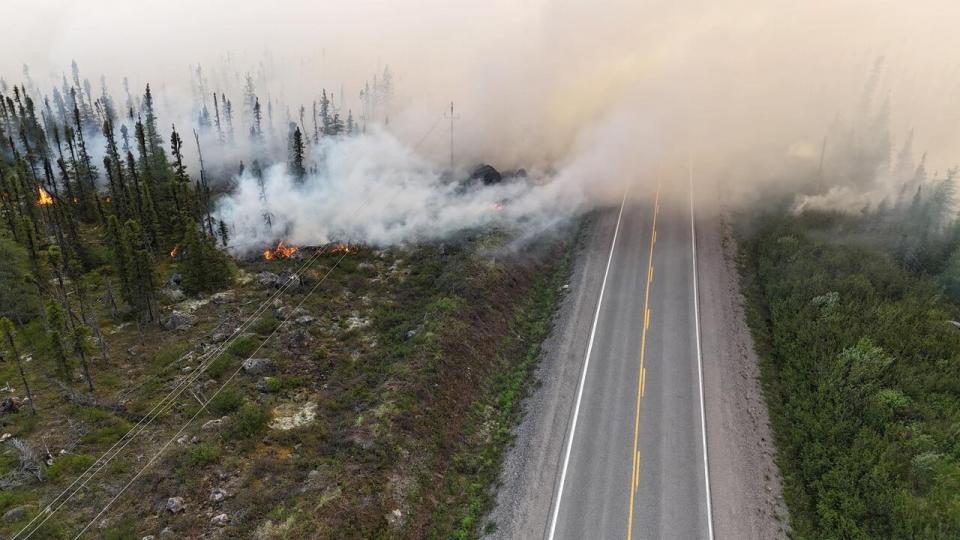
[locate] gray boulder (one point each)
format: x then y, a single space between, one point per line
267 278
15 514
175 505
291 281
218 494
257 366
179 321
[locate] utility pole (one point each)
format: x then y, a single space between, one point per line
823 151
452 117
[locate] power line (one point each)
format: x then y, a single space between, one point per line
202 408
157 409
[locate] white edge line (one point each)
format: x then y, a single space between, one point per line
583 373
696 314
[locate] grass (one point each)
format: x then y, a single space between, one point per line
68 466
477 463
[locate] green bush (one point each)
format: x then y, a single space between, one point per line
266 325
226 402
200 455
218 366
250 420
68 465
243 347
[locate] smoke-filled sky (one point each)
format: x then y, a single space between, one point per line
542 83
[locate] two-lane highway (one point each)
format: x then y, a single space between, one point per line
633 463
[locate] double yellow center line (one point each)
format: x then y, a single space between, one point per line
642 377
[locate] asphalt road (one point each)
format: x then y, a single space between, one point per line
632 463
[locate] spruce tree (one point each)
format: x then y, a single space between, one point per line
81 345
10 336
58 354
296 155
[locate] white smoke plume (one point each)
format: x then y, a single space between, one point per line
373 189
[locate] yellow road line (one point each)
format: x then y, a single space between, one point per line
635 473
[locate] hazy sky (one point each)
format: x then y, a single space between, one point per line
529 76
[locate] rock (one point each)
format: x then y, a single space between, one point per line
300 338
304 319
267 278
395 518
218 494
364 266
257 366
16 513
487 174
175 505
289 416
175 280
173 294
355 321
149 537
9 404
178 321
282 312
219 337
222 297
410 334
5 436
220 520
292 281
213 424
167 532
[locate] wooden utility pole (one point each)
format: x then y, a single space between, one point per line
452 117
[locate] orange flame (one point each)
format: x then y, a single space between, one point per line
279 252
341 248
45 197
173 252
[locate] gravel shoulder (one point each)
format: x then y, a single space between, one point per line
533 461
744 479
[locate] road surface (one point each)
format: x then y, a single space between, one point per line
632 463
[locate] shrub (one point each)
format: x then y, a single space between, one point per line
243 347
200 455
249 421
225 402
266 324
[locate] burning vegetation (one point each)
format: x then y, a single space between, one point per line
44 198
279 252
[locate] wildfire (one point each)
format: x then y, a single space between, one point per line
279 252
173 252
341 248
45 197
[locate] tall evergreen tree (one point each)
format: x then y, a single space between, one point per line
10 336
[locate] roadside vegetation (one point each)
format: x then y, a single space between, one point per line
854 319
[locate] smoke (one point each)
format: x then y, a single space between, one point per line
590 97
373 189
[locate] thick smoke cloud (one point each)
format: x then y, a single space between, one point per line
598 95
